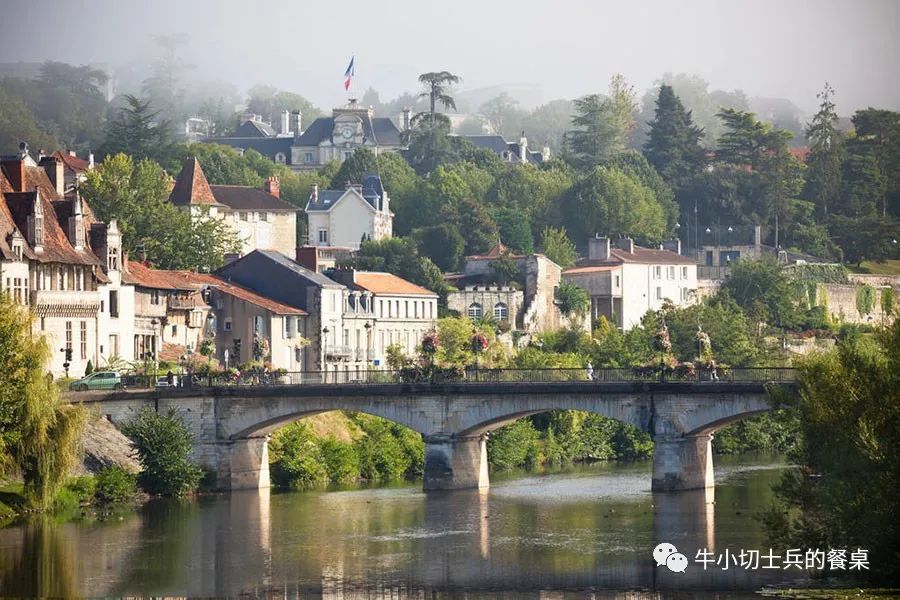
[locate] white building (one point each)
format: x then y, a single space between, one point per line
624 281
343 218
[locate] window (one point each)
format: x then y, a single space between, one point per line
112 258
113 344
475 311
280 158
114 303
617 281
658 293
308 158
226 325
83 340
68 335
154 296
242 216
263 216
174 330
43 323
288 327
671 273
684 272
323 236
346 154
657 272
406 309
501 311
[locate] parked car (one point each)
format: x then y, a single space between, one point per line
101 380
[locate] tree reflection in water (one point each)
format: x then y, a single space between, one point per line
45 565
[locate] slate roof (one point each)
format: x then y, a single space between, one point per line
379 130
241 197
246 295
324 200
388 283
640 255
498 145
371 191
191 187
297 268
267 146
254 129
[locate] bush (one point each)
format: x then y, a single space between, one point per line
163 444
381 455
514 446
340 460
295 459
114 485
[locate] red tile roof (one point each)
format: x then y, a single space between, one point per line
647 256
73 163
495 253
243 293
146 276
387 283
191 187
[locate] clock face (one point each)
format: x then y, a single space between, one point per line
347 132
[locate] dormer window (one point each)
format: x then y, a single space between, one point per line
37 224
18 245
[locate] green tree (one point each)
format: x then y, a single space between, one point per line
442 244
826 154
437 90
163 444
572 300
763 291
865 300
39 436
503 114
878 135
608 201
849 407
401 257
474 223
295 458
602 126
72 100
673 145
136 195
557 246
361 163
138 132
514 230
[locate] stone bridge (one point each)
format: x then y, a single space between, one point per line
232 424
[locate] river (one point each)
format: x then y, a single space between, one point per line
580 533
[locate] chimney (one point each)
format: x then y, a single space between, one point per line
598 248
626 244
55 173
285 122
296 123
757 236
523 149
90 160
15 173
315 192
72 153
23 150
76 223
671 245
406 112
273 186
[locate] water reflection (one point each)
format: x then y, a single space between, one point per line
575 533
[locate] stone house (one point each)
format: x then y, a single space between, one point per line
343 218
59 261
259 217
624 280
327 138
527 305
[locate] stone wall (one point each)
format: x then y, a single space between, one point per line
841 301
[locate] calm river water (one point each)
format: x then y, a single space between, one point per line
584 533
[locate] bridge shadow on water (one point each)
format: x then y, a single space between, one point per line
388 543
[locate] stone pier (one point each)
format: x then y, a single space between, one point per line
243 464
454 463
682 462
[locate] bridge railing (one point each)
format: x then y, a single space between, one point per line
465 376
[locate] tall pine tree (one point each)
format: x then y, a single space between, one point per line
826 154
673 144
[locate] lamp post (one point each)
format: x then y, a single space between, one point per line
325 331
368 328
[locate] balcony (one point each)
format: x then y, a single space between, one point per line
339 352
65 303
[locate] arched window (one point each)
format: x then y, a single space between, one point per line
501 311
280 158
475 311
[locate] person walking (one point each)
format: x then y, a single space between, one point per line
590 371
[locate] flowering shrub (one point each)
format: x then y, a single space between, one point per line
479 342
661 340
430 343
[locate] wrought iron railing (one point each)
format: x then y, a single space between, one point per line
459 376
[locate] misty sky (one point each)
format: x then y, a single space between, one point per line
784 48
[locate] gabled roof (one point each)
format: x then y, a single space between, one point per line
388 283
371 191
252 128
494 253
297 268
73 163
57 247
240 197
648 256
242 293
191 187
137 273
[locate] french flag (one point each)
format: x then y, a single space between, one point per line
348 74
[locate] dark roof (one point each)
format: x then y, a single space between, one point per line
498 145
254 129
73 163
297 268
191 187
372 189
247 295
380 130
267 146
240 197
325 199
640 255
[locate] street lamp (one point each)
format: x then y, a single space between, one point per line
368 327
325 331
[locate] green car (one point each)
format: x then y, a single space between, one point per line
101 380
